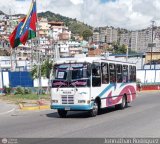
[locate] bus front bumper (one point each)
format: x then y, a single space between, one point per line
72 107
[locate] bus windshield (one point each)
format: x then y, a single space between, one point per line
72 75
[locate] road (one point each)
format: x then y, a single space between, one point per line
140 119
6 108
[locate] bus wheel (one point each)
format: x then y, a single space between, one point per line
62 113
123 104
93 112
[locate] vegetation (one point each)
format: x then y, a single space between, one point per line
20 98
45 69
119 49
76 27
7 90
86 34
22 91
20 94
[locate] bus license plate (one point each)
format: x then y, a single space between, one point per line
67 108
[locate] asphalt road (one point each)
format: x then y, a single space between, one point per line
6 108
140 119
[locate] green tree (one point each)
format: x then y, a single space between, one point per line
119 49
46 68
86 34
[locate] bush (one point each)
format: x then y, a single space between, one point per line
27 91
19 90
7 90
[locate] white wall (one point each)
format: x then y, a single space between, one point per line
1 86
6 79
148 76
44 82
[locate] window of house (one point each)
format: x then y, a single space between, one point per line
105 74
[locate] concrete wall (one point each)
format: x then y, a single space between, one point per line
149 76
146 76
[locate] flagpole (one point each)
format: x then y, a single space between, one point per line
38 57
11 52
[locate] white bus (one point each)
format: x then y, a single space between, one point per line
89 84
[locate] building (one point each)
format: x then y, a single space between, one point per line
96 37
155 57
106 35
94 52
112 35
59 31
44 27
125 39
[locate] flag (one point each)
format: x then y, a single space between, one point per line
14 37
26 29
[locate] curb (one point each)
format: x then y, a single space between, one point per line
33 108
143 91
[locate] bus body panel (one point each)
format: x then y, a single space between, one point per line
111 94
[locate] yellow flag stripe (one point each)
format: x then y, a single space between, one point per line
27 16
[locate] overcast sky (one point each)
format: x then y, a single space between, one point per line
129 14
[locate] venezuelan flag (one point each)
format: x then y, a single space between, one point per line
26 29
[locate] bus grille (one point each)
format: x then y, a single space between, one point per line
67 99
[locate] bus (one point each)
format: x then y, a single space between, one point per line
90 84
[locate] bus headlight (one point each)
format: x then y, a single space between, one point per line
54 101
81 101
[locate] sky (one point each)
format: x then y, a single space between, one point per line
129 14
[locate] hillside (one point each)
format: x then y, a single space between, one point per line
1 13
75 26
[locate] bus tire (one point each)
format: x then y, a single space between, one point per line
123 104
93 112
62 113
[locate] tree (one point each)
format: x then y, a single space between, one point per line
86 34
45 69
119 49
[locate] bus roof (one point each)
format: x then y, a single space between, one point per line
89 60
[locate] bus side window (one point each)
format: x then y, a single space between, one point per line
105 75
119 73
130 74
112 73
134 73
125 74
96 74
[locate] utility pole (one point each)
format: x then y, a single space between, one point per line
127 53
152 44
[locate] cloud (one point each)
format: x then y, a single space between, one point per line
130 14
77 1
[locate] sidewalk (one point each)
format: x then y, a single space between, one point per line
34 105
